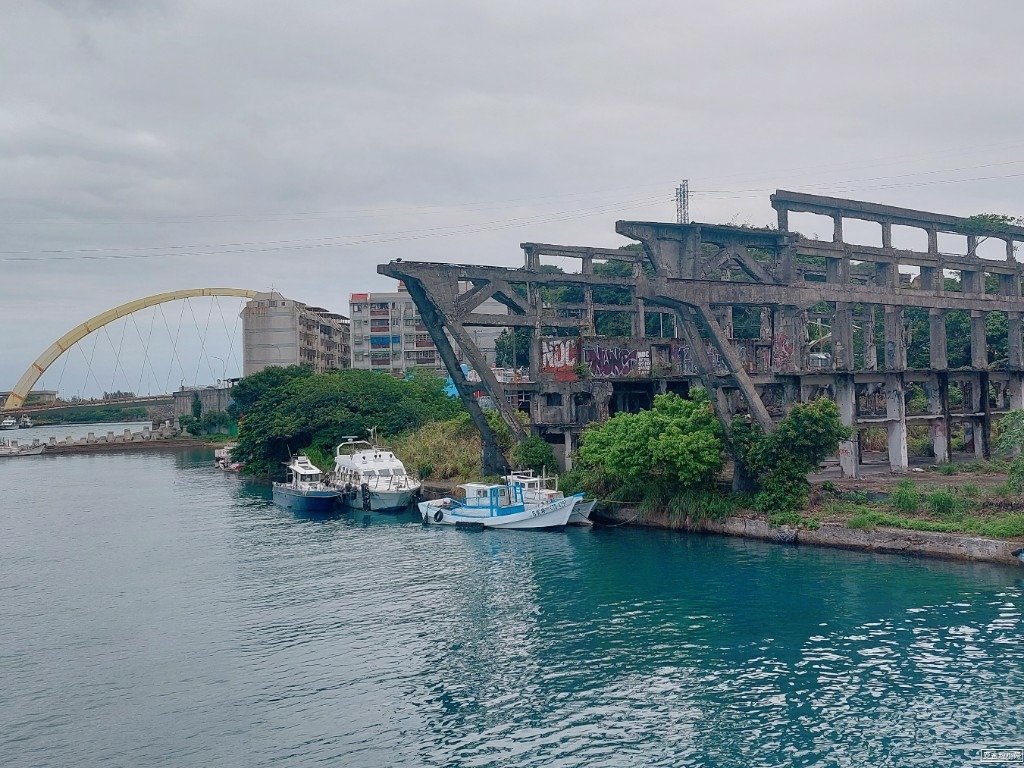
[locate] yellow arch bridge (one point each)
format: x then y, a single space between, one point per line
17 397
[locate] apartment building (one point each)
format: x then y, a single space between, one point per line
282 332
388 333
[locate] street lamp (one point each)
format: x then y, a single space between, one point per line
224 367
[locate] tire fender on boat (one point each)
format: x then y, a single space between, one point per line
439 516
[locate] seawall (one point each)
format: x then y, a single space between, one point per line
949 546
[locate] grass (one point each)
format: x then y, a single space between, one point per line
905 497
1004 526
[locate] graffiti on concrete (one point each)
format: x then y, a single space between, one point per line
558 353
714 357
782 350
612 362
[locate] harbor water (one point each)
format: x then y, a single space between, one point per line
157 612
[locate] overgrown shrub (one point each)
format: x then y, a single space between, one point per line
535 453
780 462
905 497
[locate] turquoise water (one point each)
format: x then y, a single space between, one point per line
157 612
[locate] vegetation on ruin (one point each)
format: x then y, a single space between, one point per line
282 411
655 455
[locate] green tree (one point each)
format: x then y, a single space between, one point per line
535 453
197 406
512 347
780 462
309 410
676 445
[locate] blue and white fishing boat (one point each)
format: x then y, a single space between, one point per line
304 490
498 506
545 488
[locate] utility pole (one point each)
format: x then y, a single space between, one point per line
683 202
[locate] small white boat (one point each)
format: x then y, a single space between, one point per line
498 506
304 490
26 422
545 488
9 448
9 422
222 458
371 478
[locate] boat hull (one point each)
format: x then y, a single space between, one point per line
379 501
9 451
450 512
580 514
304 501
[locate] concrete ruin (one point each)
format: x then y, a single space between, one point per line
762 318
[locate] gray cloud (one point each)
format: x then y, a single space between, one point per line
364 131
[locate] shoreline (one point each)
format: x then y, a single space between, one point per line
835 535
143 445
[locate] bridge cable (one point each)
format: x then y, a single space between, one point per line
117 357
61 377
174 347
231 334
202 341
145 348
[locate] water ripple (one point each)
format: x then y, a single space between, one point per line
158 613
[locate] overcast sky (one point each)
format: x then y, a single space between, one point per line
152 145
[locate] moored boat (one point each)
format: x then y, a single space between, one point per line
9 422
11 448
222 458
545 488
492 505
304 490
26 422
371 478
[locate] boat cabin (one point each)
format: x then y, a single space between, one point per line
495 498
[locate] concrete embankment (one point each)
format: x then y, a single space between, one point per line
161 437
950 546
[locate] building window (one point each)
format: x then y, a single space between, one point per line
553 399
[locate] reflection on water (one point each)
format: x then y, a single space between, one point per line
160 612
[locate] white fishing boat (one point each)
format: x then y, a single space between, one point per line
371 478
11 448
498 506
26 422
544 488
9 422
304 490
222 458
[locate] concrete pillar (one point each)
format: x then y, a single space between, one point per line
568 450
837 228
1009 250
979 345
933 240
846 399
870 347
886 234
937 339
842 337
896 424
938 428
895 344
1015 346
783 219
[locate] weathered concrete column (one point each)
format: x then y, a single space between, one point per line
937 339
842 337
1015 344
937 391
979 344
895 343
870 347
896 426
846 399
568 450
837 228
886 234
